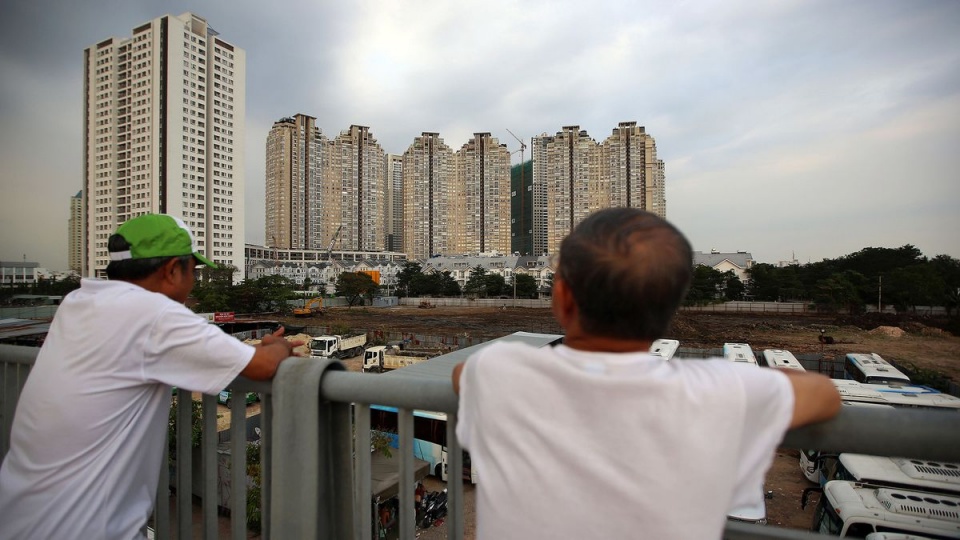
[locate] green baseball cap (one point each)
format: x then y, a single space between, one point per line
157 235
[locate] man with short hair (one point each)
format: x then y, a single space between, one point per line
88 435
597 438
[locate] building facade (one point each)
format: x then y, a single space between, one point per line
482 197
355 191
630 173
429 197
75 234
394 172
567 185
164 125
295 163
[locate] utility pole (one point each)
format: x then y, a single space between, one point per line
880 295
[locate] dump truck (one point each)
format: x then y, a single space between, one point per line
383 358
337 346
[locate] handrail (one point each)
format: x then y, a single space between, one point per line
309 462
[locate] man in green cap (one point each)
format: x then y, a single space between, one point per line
87 438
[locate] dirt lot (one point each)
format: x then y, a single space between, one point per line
918 342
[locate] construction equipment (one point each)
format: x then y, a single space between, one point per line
332 240
337 346
314 306
382 358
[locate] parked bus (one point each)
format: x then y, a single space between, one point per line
919 474
871 369
429 438
850 509
778 358
898 395
739 352
665 348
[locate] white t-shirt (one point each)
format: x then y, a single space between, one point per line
571 444
88 434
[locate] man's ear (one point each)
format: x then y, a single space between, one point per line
170 270
563 304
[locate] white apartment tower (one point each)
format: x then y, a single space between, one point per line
429 197
631 170
75 234
566 183
164 127
295 163
482 212
394 171
355 191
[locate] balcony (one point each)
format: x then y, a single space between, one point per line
313 415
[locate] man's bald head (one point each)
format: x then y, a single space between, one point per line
628 271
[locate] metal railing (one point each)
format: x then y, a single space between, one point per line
317 485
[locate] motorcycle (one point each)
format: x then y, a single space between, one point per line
433 509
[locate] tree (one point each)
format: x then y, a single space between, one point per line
476 284
839 291
354 285
448 285
494 285
733 288
707 285
215 290
407 274
526 285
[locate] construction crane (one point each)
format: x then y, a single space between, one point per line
334 239
522 229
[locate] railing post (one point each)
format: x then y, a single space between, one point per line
303 484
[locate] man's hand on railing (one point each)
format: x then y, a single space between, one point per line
271 350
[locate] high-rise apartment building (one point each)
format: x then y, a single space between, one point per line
428 184
355 191
394 172
574 176
567 184
295 162
164 126
481 197
75 234
630 167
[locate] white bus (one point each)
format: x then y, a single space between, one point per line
919 474
739 352
665 348
429 438
871 369
778 358
850 509
898 395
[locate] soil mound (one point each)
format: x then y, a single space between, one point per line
889 331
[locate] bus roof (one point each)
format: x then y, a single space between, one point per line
422 414
908 510
665 348
892 471
781 359
910 395
873 365
441 367
739 352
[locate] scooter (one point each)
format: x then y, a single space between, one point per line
434 508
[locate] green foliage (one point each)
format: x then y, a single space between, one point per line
407 274
354 286
707 286
216 292
526 285
895 276
196 432
476 284
255 488
495 285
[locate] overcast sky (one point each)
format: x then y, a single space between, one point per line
809 127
